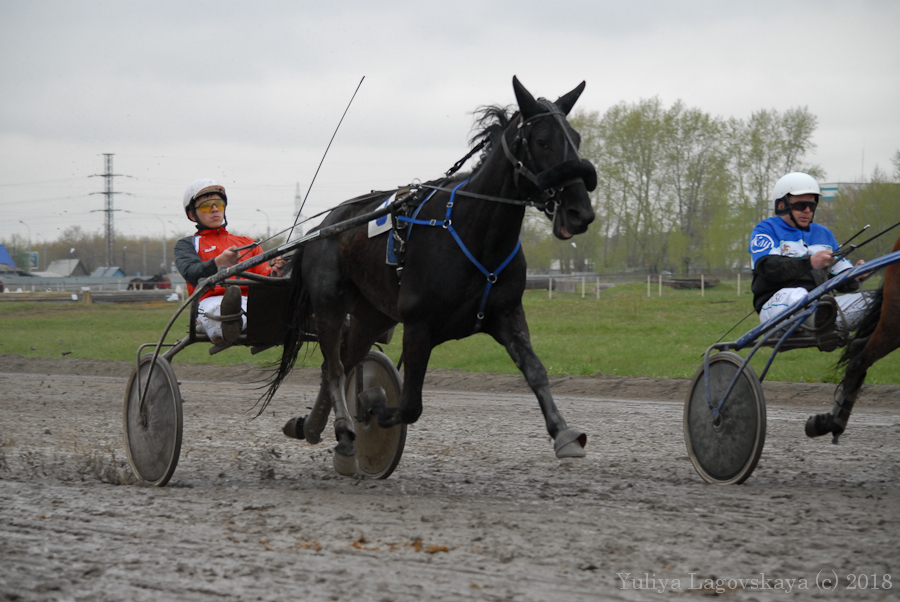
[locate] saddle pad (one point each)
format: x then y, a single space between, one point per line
383 223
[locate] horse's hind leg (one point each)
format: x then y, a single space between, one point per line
310 427
511 330
330 328
883 341
835 422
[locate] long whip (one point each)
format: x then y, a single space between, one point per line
842 253
306 196
841 248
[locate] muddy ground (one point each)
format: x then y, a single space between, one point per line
479 508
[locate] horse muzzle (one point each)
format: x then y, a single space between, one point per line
572 215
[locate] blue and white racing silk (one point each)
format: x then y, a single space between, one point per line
778 290
774 236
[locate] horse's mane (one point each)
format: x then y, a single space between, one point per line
490 123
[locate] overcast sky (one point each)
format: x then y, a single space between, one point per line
249 93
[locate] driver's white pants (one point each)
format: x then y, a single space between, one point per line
852 307
211 306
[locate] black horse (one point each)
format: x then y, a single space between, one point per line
464 270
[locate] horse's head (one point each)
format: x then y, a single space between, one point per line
545 153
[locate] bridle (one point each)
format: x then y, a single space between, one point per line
549 183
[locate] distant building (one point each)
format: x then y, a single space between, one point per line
11 270
6 258
113 272
8 264
830 190
67 267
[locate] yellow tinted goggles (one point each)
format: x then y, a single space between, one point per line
207 206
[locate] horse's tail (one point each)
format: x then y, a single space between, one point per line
297 320
867 326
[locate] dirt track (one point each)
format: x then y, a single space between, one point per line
479 508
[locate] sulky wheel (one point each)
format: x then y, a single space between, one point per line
725 450
375 380
153 433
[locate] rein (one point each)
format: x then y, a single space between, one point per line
484 197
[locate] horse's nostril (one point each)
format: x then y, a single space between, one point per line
579 218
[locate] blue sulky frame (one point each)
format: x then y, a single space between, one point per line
784 326
725 445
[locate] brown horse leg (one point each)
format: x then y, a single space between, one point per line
511 330
884 339
835 422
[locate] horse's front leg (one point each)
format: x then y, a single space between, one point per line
416 353
511 330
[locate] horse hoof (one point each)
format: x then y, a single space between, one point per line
310 434
569 443
345 465
293 428
820 424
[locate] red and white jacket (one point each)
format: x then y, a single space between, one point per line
195 257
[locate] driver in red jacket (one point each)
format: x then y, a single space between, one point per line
222 310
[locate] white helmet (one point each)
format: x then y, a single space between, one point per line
794 184
200 188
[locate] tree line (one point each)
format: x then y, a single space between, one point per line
680 190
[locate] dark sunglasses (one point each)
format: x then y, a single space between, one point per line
802 206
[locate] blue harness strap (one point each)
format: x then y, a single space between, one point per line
447 224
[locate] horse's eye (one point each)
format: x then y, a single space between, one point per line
542 144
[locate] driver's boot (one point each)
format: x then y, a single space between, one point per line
827 338
230 313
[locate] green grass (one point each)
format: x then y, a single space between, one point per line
103 331
623 333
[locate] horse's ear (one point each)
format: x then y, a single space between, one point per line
528 106
567 101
